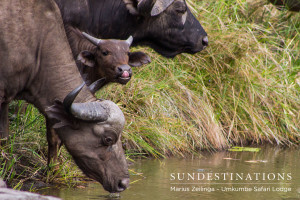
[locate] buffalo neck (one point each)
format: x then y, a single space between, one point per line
54 74
58 81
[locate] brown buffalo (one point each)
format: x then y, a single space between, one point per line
37 65
109 59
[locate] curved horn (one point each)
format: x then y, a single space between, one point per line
160 6
92 39
94 87
129 40
69 99
90 111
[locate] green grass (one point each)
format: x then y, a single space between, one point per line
243 89
24 158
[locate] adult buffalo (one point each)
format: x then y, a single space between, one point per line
167 26
37 65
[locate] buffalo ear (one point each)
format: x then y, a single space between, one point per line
137 59
87 58
58 113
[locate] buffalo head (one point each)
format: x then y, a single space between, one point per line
168 26
91 132
111 59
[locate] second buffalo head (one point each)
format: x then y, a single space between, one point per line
168 26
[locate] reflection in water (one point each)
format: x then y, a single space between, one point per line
272 173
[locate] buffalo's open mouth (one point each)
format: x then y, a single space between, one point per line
124 77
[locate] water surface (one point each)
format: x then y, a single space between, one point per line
273 173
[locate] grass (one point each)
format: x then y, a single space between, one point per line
24 159
243 89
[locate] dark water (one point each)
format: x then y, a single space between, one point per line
272 173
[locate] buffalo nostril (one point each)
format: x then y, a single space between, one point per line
124 68
123 184
120 69
205 41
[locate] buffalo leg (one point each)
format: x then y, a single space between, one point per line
4 124
54 144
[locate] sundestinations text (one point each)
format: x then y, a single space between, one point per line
230 176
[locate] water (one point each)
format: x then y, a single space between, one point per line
272 173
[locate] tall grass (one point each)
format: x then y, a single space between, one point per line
243 89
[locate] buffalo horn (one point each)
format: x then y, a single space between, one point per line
94 87
160 6
92 39
69 99
89 111
129 40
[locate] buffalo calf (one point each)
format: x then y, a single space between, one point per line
109 60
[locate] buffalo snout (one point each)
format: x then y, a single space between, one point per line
204 42
199 45
123 184
123 73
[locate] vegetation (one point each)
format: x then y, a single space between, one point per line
243 89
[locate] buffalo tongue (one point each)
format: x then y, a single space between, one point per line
125 74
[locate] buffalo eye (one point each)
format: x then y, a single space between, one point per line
108 141
105 53
180 7
181 10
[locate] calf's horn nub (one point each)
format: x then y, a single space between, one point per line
92 39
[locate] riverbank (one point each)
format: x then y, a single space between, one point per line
243 89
